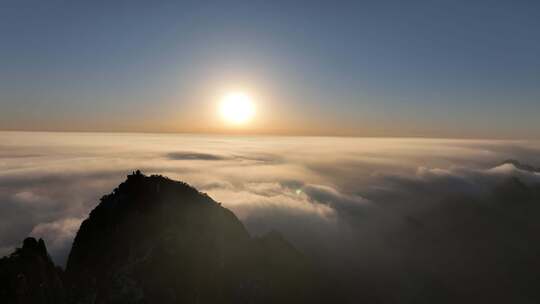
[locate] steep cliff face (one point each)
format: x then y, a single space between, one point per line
29 276
154 240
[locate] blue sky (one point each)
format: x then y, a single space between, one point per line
366 68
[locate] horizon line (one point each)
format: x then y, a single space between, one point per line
269 134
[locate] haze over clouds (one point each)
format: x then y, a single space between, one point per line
345 200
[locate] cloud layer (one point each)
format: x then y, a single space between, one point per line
401 211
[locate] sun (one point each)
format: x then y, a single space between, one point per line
237 108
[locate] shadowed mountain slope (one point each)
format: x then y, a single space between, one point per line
154 240
29 276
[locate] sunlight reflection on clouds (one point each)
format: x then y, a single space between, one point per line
49 181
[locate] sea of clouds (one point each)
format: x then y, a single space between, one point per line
388 214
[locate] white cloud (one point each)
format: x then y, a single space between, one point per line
329 187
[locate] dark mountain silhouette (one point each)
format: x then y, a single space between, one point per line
155 240
160 241
29 276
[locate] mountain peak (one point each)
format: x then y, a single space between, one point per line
28 275
519 165
144 193
154 239
33 246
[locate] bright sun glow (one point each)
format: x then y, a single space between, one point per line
237 108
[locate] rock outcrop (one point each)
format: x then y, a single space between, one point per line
29 276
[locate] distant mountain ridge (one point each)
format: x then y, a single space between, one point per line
155 240
521 166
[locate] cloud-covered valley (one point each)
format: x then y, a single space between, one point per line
426 217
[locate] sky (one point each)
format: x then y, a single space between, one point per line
463 69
